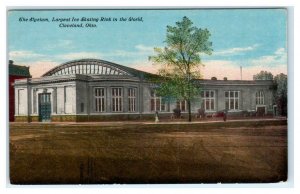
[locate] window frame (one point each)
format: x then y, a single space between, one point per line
210 99
180 104
260 98
132 96
100 100
117 100
232 100
161 107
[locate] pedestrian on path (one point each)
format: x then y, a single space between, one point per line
225 115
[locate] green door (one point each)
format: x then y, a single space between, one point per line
44 107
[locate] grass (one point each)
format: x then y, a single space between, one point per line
243 152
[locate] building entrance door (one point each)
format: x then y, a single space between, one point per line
261 111
44 107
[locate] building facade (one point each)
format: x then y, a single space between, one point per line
97 90
15 72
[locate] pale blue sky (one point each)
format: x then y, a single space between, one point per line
253 38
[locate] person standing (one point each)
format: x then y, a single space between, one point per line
225 115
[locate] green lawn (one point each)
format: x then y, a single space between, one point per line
246 151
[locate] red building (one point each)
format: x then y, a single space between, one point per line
15 72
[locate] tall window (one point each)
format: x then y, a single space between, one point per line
99 99
208 99
92 69
77 69
88 69
260 98
73 69
157 103
232 100
84 69
81 69
117 99
131 99
181 104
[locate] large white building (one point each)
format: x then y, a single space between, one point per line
97 90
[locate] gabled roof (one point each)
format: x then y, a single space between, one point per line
94 67
18 70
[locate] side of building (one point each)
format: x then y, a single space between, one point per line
96 90
15 72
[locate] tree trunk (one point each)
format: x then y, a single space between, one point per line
189 108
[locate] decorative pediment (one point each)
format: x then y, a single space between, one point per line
88 67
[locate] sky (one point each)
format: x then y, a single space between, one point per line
254 39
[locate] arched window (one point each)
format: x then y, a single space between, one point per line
260 98
87 67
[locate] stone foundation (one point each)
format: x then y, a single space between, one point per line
129 117
21 119
26 118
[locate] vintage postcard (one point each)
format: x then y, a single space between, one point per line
139 96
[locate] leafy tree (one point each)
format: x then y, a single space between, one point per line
263 75
280 94
180 60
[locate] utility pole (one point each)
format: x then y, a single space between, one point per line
241 70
